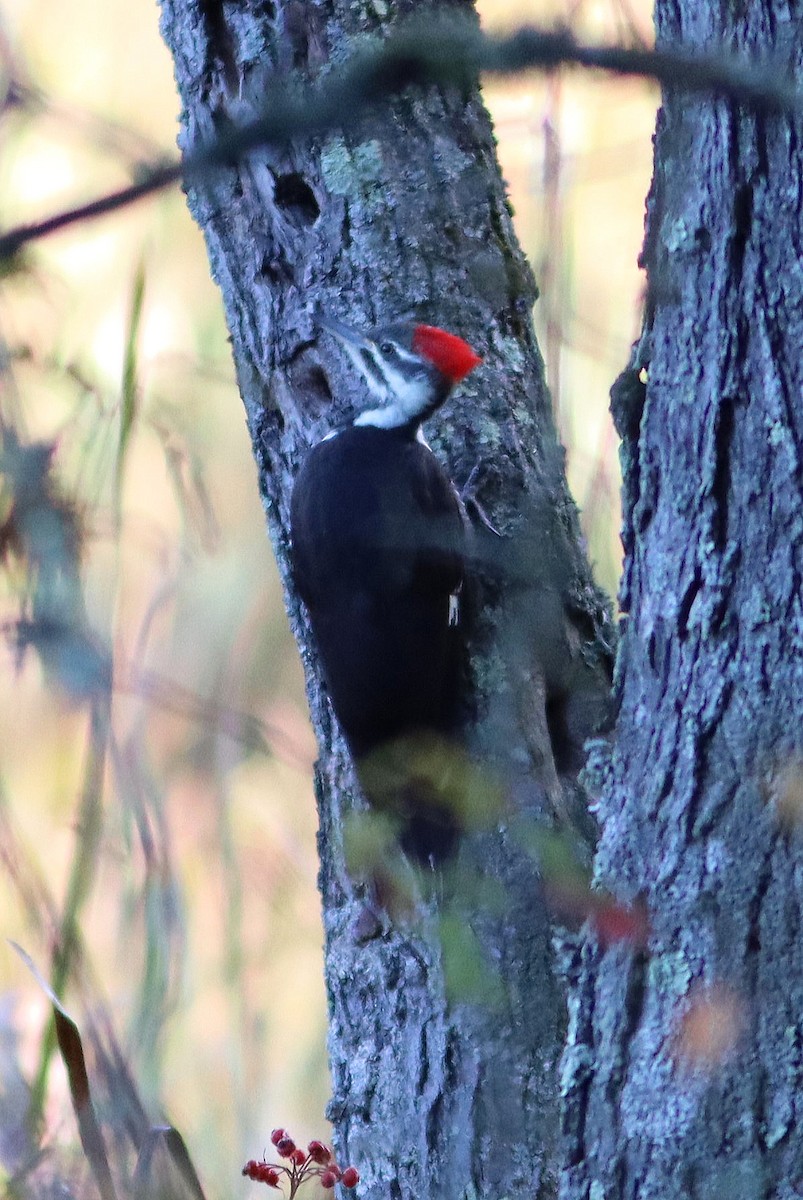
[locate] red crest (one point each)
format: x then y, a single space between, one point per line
453 357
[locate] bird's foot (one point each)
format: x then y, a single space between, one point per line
469 498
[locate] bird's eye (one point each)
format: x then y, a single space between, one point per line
387 348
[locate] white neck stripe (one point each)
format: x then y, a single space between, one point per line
390 417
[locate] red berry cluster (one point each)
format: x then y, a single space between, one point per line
315 1161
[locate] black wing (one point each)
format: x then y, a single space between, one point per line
378 547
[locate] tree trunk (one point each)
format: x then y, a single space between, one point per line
683 1068
439 1090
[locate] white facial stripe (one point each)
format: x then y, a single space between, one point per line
412 393
403 399
409 398
406 355
375 384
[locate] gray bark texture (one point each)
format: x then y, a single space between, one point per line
445 1025
682 1076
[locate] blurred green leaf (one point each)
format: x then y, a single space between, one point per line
469 979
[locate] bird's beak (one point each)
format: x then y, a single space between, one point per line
352 338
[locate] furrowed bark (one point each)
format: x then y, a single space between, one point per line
682 1073
440 1088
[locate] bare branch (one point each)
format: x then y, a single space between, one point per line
413 55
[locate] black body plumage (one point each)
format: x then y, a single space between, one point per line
378 554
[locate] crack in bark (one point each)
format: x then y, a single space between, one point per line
720 488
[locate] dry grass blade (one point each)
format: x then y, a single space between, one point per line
72 1052
82 874
164 1168
129 391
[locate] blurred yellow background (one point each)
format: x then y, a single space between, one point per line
207 949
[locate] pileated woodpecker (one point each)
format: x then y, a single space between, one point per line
378 554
